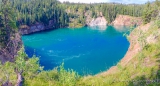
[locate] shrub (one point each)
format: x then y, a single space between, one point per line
67 77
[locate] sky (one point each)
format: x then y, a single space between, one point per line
118 1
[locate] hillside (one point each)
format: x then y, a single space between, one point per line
125 20
52 14
140 66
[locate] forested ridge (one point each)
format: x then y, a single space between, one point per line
66 14
143 69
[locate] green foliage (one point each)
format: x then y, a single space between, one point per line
7 24
7 14
119 66
67 77
33 65
34 74
29 67
136 72
33 11
20 60
142 39
157 22
55 77
147 13
7 73
66 14
157 2
150 11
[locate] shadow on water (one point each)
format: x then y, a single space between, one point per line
47 66
30 51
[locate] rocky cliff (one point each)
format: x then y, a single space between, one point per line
25 29
125 20
99 21
8 52
121 20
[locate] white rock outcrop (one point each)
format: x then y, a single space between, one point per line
99 21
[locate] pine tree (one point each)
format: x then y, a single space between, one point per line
157 2
8 29
147 13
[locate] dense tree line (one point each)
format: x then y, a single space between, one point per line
151 10
110 11
79 12
8 26
68 14
32 11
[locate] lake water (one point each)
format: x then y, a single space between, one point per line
87 50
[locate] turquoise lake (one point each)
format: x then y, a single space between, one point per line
87 50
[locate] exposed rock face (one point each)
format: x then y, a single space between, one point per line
10 51
125 20
121 20
99 21
25 29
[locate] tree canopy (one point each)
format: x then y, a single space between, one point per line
68 14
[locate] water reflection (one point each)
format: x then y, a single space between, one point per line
122 28
101 28
117 28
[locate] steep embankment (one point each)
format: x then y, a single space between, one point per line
141 63
134 48
25 29
10 50
125 20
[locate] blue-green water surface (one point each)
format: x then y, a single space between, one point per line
87 50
